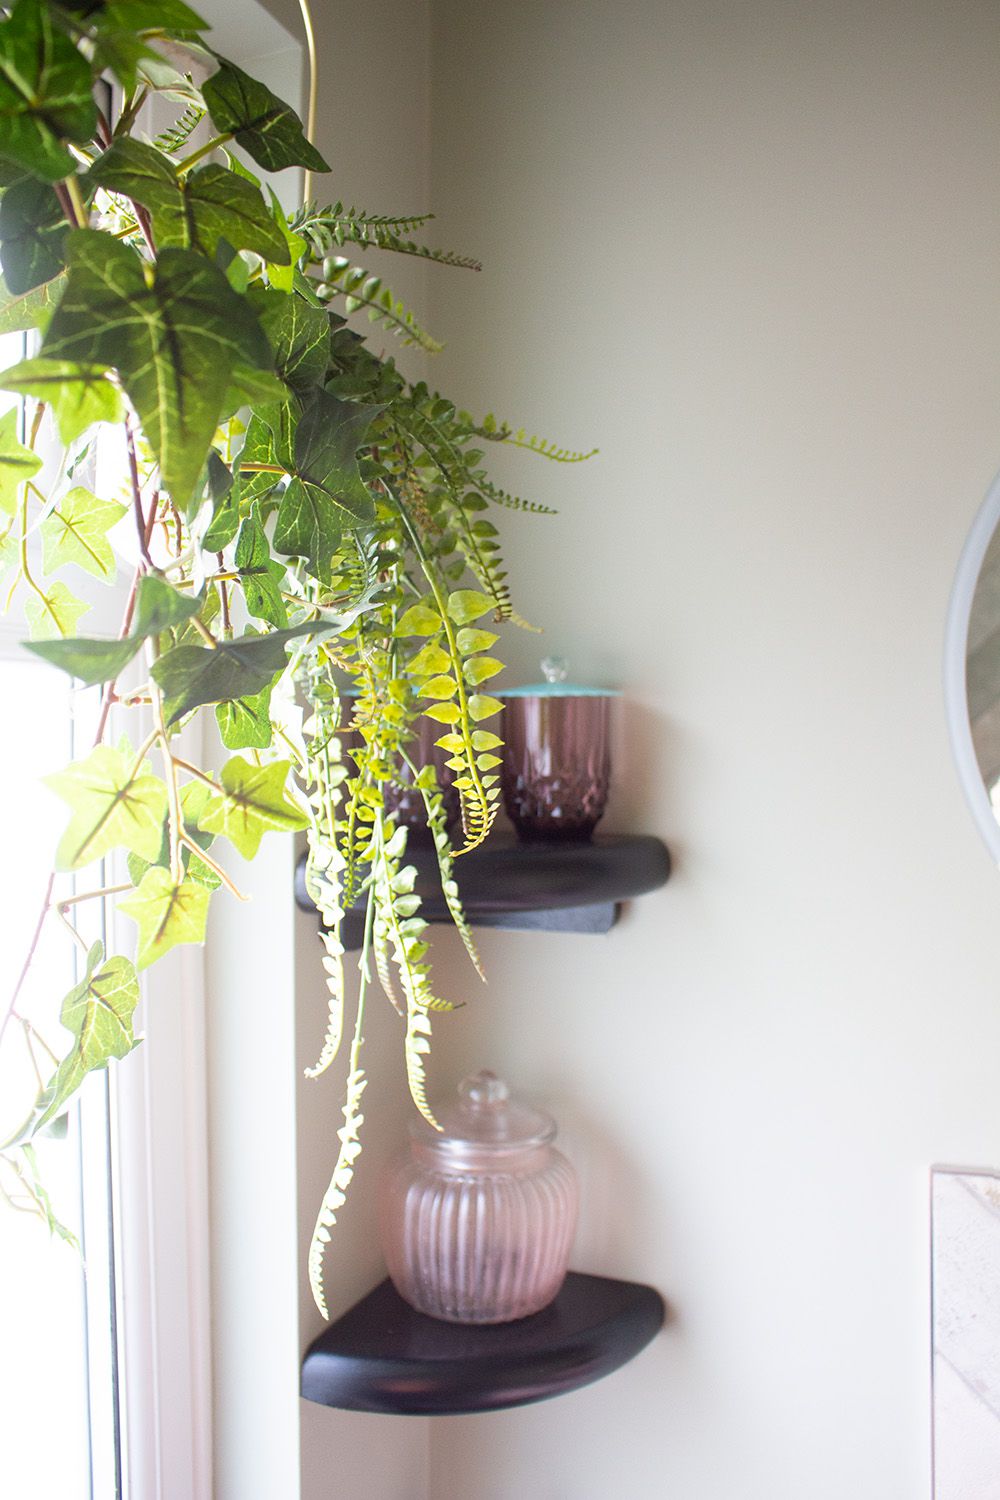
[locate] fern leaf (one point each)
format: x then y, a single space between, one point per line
512 502
359 288
176 136
336 1194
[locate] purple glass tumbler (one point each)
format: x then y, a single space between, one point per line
557 757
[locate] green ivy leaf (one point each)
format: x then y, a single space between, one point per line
45 93
32 231
327 492
98 1012
193 675
260 576
174 341
267 129
245 723
76 532
298 334
31 309
17 462
252 802
224 491
193 212
92 661
53 608
160 607
114 802
119 28
465 605
166 912
79 395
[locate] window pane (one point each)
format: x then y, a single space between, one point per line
43 1314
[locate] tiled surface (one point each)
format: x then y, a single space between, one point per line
966 1272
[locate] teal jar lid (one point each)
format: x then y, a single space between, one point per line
556 670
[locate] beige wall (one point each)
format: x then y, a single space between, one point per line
752 252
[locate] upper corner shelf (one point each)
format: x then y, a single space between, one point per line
555 886
382 1356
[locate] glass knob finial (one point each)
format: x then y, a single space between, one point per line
555 668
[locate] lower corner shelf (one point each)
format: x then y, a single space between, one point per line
382 1356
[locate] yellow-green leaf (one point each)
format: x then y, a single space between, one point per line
439 687
166 912
114 802
53 611
79 395
470 641
481 706
465 605
252 801
17 462
419 619
429 661
480 668
76 532
444 713
482 739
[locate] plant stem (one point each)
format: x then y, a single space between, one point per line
202 151
216 868
81 217
141 524
106 890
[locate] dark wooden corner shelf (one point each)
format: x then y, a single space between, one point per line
382 1356
554 886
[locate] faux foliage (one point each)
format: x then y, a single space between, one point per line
291 526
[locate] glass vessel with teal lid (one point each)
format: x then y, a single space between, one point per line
557 756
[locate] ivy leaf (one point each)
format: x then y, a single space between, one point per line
166 912
174 341
79 395
92 661
193 675
114 802
160 607
327 492
260 576
17 462
193 212
53 608
32 231
252 802
245 723
45 93
268 129
76 532
99 1013
119 28
28 310
298 334
225 517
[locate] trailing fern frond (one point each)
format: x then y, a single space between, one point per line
173 140
512 502
359 288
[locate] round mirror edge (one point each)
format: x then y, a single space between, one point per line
955 651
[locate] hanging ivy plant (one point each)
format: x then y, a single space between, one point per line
293 516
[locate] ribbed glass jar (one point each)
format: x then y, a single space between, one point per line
477 1222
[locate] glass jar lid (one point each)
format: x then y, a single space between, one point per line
484 1121
555 670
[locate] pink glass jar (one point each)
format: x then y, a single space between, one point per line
477 1222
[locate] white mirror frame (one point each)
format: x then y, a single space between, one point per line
956 644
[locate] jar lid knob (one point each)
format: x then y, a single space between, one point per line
555 668
484 1090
